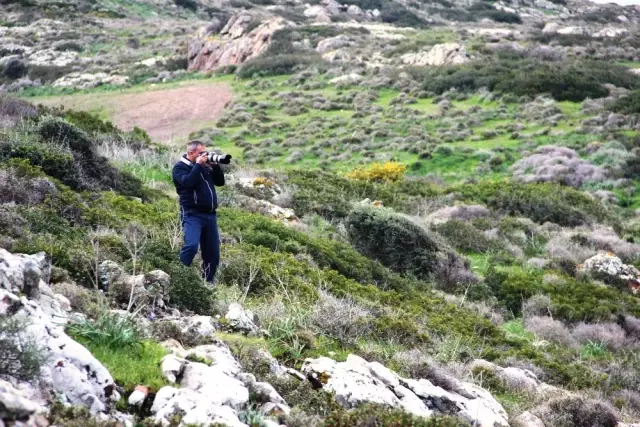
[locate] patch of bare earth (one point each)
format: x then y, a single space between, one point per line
168 115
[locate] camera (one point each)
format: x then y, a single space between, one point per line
225 159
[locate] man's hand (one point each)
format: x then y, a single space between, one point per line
202 159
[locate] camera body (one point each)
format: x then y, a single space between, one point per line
224 159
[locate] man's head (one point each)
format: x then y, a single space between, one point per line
194 148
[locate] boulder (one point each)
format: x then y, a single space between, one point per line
137 397
333 43
613 270
171 367
14 406
611 33
578 31
219 387
527 419
357 381
439 55
235 45
240 320
318 13
197 408
354 11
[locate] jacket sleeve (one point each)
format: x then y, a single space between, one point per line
186 178
218 175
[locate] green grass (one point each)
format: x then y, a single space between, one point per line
132 366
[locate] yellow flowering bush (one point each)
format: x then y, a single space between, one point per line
379 172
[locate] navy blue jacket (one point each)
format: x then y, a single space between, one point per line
195 185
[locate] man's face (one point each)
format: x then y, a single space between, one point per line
193 155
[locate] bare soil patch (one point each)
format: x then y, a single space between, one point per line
168 115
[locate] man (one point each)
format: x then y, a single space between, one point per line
195 180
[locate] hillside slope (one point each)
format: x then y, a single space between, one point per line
432 217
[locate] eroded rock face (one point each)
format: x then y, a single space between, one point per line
439 55
70 372
234 45
357 381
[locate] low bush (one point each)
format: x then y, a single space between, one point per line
627 104
75 416
565 81
376 415
399 15
540 202
331 195
21 356
465 237
578 412
68 154
396 241
609 334
550 329
264 66
187 4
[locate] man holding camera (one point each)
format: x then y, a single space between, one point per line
195 176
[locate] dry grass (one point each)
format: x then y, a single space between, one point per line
341 318
551 330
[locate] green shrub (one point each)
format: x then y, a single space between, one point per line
75 416
93 171
401 16
565 81
376 415
187 4
187 290
465 237
572 301
395 241
13 70
20 356
628 104
89 123
264 66
539 202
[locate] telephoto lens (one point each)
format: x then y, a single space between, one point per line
225 159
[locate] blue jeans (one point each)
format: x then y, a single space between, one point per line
201 229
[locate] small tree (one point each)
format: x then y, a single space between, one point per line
20 356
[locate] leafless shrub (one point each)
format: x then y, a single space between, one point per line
606 239
417 364
631 326
563 248
24 190
551 330
12 110
459 212
557 164
610 334
82 300
577 411
630 399
537 305
341 318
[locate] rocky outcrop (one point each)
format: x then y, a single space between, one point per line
211 392
357 381
516 379
611 269
439 55
235 44
69 373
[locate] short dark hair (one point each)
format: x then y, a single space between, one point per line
192 145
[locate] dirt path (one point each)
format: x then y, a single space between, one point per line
168 115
